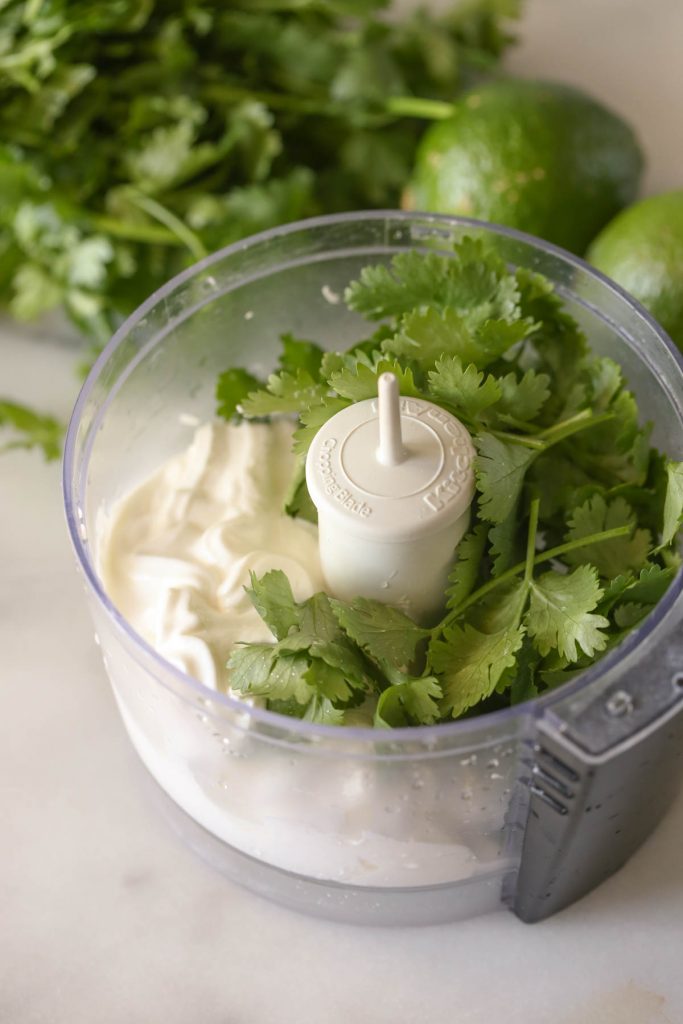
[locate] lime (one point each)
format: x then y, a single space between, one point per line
642 249
538 156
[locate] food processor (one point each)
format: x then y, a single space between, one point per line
527 808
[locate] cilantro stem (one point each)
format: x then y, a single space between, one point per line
395 106
566 428
222 92
416 106
169 220
540 442
544 556
134 232
527 442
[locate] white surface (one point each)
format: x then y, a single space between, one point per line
105 918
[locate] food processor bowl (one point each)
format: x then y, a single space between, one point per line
528 807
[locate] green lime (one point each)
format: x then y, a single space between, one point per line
538 156
642 249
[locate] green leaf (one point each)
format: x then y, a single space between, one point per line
559 615
647 589
250 667
473 282
470 664
619 452
524 685
361 382
321 710
285 392
626 616
320 634
385 634
612 557
426 335
501 609
313 419
271 596
287 679
522 400
330 683
501 468
29 429
300 355
232 387
298 502
467 566
463 388
505 543
673 502
412 701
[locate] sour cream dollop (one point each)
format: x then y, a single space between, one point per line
177 554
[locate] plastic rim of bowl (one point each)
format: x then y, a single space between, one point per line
309 730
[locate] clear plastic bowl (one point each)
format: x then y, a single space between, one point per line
415 825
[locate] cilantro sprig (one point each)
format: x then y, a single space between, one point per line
573 533
196 124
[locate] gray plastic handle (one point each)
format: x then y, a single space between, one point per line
602 774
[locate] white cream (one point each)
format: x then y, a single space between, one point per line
178 553
175 556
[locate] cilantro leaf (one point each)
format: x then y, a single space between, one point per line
505 544
312 420
473 282
522 400
232 387
284 392
501 468
463 388
467 566
559 615
619 452
250 667
322 710
469 664
613 557
328 682
650 586
524 686
427 334
320 634
411 701
30 429
361 382
288 679
385 634
628 615
673 503
297 354
271 596
298 502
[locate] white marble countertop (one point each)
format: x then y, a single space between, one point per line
105 917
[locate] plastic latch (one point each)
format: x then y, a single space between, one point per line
603 767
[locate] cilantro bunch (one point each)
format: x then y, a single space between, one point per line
572 540
140 135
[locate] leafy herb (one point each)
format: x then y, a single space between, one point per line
572 540
29 429
139 135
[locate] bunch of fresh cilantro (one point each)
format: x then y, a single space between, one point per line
139 135
572 540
